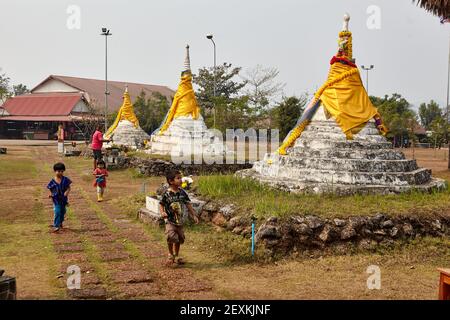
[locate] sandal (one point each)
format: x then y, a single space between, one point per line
179 261
170 259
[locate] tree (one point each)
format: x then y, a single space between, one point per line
89 121
397 115
228 103
231 114
428 113
20 89
287 113
151 111
4 88
439 128
261 86
226 86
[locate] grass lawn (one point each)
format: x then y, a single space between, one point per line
263 202
222 259
26 249
143 155
17 169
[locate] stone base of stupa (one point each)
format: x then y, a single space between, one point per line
126 134
187 136
324 161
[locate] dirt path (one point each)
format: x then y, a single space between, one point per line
117 257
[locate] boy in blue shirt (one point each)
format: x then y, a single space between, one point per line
59 188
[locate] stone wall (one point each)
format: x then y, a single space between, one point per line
296 233
158 167
368 232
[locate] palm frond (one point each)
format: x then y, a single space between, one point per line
439 8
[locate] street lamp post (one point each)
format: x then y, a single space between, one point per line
106 33
210 37
367 76
448 87
448 104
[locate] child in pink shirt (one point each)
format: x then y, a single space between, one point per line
100 174
97 144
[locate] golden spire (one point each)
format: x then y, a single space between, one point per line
126 112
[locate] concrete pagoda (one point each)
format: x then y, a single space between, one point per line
125 130
338 145
183 131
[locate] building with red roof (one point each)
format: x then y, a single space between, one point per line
68 101
37 116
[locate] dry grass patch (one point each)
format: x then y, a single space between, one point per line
13 169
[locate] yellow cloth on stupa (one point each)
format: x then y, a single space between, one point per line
343 96
126 112
347 100
184 103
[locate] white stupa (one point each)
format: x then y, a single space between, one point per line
338 145
183 132
125 130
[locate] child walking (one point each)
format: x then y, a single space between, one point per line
59 188
100 174
171 206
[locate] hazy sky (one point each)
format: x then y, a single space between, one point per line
409 51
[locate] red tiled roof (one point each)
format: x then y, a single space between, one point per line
95 90
418 129
42 104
